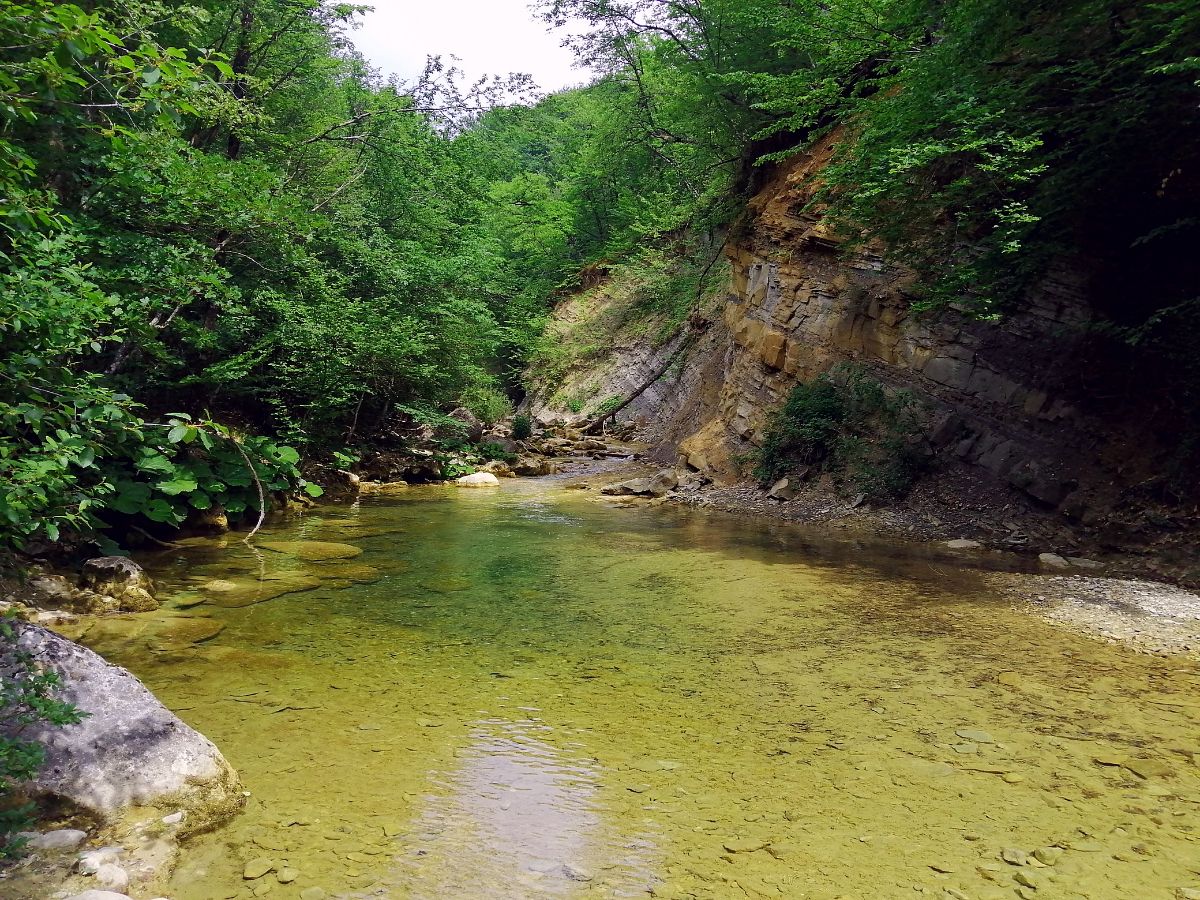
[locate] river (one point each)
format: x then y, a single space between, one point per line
524 693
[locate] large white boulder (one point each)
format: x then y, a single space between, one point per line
130 751
478 479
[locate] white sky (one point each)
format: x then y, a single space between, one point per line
491 37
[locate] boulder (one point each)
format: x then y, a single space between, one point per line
499 468
478 479
533 466
471 424
122 579
656 486
382 487
129 751
783 489
1053 560
963 544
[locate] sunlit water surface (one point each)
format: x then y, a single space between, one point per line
523 693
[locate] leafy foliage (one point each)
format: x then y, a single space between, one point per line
27 697
522 427
868 438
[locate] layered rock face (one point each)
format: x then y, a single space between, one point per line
1008 401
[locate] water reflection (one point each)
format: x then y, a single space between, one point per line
518 818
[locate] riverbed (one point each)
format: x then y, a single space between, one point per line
523 692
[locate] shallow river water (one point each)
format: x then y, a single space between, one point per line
523 693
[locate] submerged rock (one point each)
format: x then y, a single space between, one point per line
382 487
313 551
121 578
129 751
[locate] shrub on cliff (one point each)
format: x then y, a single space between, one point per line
868 438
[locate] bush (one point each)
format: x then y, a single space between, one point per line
487 403
868 438
522 427
490 451
26 698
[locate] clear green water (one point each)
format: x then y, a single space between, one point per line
523 693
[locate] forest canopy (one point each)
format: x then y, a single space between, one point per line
218 221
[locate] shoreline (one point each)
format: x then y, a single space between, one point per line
1106 599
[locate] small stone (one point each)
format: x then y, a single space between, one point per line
744 845
1184 893
782 851
1027 893
1013 777
1048 856
963 544
90 861
1148 768
974 734
257 868
60 839
113 878
577 873
1023 877
287 875
312 893
1053 560
1014 857
942 867
966 747
173 819
99 895
262 888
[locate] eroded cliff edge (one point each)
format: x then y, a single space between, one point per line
1045 430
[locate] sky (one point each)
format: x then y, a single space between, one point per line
491 37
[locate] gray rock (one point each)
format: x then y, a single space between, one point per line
471 425
89 862
963 544
61 839
1080 562
782 490
121 578
112 877
656 486
1054 560
129 751
99 895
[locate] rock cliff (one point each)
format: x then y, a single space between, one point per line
1020 411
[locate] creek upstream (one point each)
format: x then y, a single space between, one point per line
523 693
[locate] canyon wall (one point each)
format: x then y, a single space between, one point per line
1009 404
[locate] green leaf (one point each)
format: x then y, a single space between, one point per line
161 511
313 490
179 485
177 434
